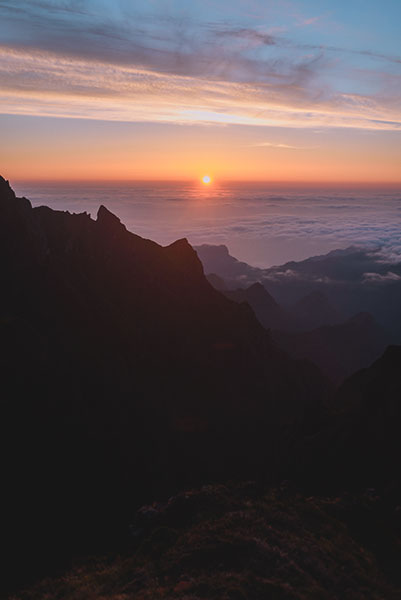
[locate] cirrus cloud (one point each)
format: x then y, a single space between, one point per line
116 61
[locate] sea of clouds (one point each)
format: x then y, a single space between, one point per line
260 226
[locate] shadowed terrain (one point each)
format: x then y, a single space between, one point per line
321 290
339 350
126 377
237 542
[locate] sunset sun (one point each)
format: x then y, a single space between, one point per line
206 179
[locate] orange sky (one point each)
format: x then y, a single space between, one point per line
48 148
125 91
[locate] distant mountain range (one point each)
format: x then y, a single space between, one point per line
348 281
126 376
314 317
339 350
314 329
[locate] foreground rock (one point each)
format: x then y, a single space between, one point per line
237 543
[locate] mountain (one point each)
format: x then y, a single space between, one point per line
311 329
125 375
217 282
311 311
359 444
338 350
354 279
315 310
267 310
217 260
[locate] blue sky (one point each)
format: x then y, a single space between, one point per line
290 65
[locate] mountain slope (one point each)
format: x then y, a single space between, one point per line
355 279
236 542
338 350
267 310
359 444
125 374
315 310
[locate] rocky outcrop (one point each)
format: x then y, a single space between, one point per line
125 374
236 541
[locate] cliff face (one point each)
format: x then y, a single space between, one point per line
125 374
359 444
114 302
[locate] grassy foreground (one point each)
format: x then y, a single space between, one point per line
235 542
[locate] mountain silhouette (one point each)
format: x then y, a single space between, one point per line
269 313
359 443
315 310
218 261
311 311
348 281
126 375
339 350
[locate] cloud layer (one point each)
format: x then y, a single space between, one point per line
262 228
116 61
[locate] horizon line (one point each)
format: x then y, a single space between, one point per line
215 182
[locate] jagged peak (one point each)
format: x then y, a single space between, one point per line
258 290
257 286
8 196
104 214
181 243
5 188
106 218
181 248
182 253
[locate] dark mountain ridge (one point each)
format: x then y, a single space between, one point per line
359 444
125 376
339 350
315 310
269 313
312 329
352 280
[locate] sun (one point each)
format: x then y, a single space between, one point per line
206 179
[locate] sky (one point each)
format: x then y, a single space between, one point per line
256 90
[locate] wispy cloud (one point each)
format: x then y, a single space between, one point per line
284 146
43 83
378 278
76 59
310 21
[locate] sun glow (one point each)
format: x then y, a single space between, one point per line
206 179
